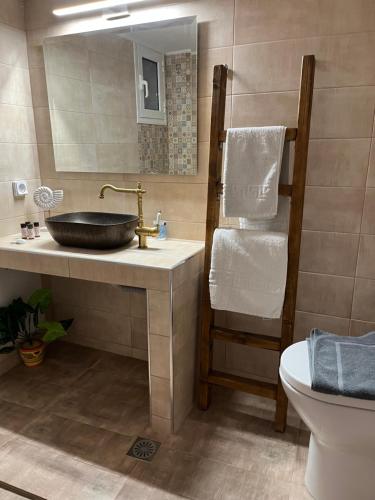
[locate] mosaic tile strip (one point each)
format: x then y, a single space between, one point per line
153 149
180 76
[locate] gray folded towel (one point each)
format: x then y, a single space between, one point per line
342 365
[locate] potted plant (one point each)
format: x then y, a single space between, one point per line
21 328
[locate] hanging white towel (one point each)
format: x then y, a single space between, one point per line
280 223
252 164
248 272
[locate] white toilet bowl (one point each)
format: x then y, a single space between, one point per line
341 460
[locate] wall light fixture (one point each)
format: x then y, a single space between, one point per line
92 6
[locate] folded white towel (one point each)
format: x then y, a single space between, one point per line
248 272
252 163
280 223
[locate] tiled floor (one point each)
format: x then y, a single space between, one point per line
65 429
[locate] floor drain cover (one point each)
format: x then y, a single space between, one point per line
144 449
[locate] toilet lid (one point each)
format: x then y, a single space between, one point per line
295 369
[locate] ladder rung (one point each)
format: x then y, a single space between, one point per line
248 339
290 135
284 189
252 386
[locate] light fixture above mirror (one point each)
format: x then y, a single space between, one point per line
92 6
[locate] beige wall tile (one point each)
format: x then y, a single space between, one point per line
246 360
358 328
70 156
105 272
252 110
342 112
12 13
34 52
67 59
177 201
106 70
97 325
338 162
275 66
333 209
110 298
250 324
110 100
17 124
14 86
305 322
46 161
140 335
187 230
138 303
43 125
329 253
159 313
159 356
13 49
69 94
18 161
364 300
161 427
191 269
20 261
256 21
324 294
72 128
366 260
204 117
208 58
161 403
368 220
115 129
38 87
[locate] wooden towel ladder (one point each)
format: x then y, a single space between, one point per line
296 191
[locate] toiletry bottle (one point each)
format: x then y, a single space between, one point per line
163 230
30 232
158 218
24 231
36 230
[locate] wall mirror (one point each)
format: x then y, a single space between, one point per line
125 100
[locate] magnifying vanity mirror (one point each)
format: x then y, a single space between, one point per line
125 100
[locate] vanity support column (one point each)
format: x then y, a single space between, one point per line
172 328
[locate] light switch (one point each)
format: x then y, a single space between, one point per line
19 189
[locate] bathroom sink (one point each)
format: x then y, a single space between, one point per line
96 230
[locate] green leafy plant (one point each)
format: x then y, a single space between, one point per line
20 321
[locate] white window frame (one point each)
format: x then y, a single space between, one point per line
157 117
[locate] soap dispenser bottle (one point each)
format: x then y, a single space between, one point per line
162 230
162 226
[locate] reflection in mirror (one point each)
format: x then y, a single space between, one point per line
125 100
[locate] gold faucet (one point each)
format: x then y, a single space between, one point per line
141 231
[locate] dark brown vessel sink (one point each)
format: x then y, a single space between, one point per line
96 230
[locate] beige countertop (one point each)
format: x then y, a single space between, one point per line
43 255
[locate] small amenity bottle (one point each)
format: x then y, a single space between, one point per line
24 231
36 230
162 230
30 232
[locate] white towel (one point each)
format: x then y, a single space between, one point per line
252 164
248 272
280 223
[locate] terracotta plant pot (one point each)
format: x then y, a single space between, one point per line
32 355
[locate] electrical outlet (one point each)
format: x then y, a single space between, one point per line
19 189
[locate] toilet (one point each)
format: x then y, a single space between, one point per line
341 459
